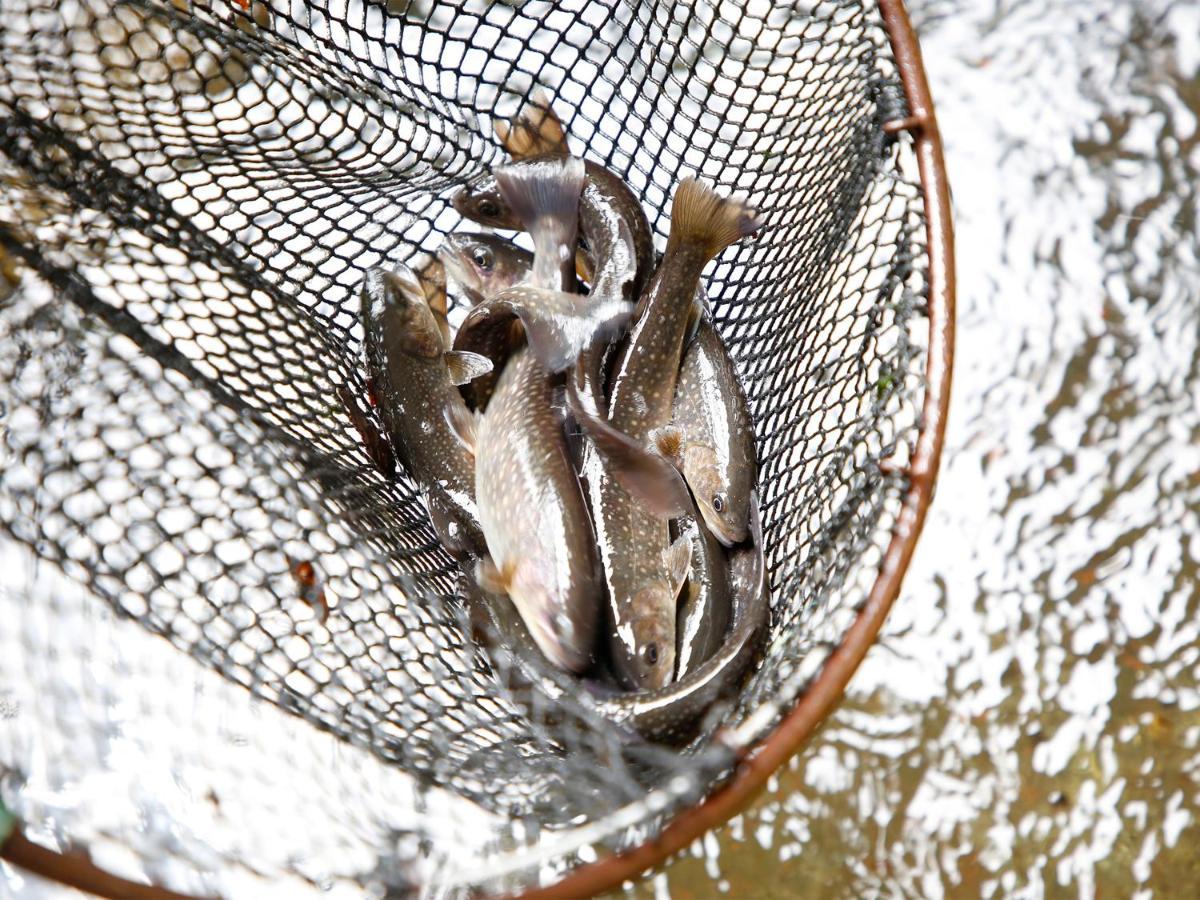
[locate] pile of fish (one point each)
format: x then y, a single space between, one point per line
586 451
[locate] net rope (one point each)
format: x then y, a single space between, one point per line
190 193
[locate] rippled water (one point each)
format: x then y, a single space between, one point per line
1029 722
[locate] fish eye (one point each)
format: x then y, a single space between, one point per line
650 654
718 502
483 258
489 208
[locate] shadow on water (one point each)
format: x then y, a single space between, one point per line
1029 723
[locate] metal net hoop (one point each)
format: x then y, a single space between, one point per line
191 194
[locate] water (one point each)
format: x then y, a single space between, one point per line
1029 722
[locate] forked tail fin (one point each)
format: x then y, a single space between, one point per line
703 218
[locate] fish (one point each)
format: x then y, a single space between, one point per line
415 380
483 264
611 220
675 713
711 438
710 404
541 548
535 131
643 572
703 614
559 326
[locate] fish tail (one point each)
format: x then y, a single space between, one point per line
702 217
545 197
534 131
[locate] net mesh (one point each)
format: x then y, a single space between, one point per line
190 193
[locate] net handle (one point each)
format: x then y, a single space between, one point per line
758 763
76 870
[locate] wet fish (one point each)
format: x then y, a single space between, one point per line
432 276
483 264
711 437
536 130
558 325
675 713
642 570
414 380
539 538
611 220
703 614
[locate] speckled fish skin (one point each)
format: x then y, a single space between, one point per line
703 614
533 514
713 417
633 540
538 532
674 714
404 352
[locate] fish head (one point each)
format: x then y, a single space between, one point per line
481 202
652 662
725 517
483 264
552 628
394 310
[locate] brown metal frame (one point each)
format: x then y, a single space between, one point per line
759 762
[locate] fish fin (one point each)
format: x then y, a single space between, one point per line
432 277
645 475
700 216
544 196
466 366
534 131
559 326
678 558
585 269
491 578
668 440
696 316
463 424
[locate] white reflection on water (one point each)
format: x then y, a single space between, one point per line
1028 723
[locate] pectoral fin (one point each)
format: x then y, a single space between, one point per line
490 578
645 475
678 558
465 366
462 424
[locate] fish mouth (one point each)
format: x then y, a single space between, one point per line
718 529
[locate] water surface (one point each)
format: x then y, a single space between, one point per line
1029 722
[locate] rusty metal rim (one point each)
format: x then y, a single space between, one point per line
761 761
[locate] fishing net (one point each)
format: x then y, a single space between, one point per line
232 652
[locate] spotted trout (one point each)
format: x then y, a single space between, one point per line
539 538
414 381
643 571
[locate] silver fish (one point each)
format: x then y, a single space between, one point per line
711 437
483 264
703 614
414 381
539 538
675 713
